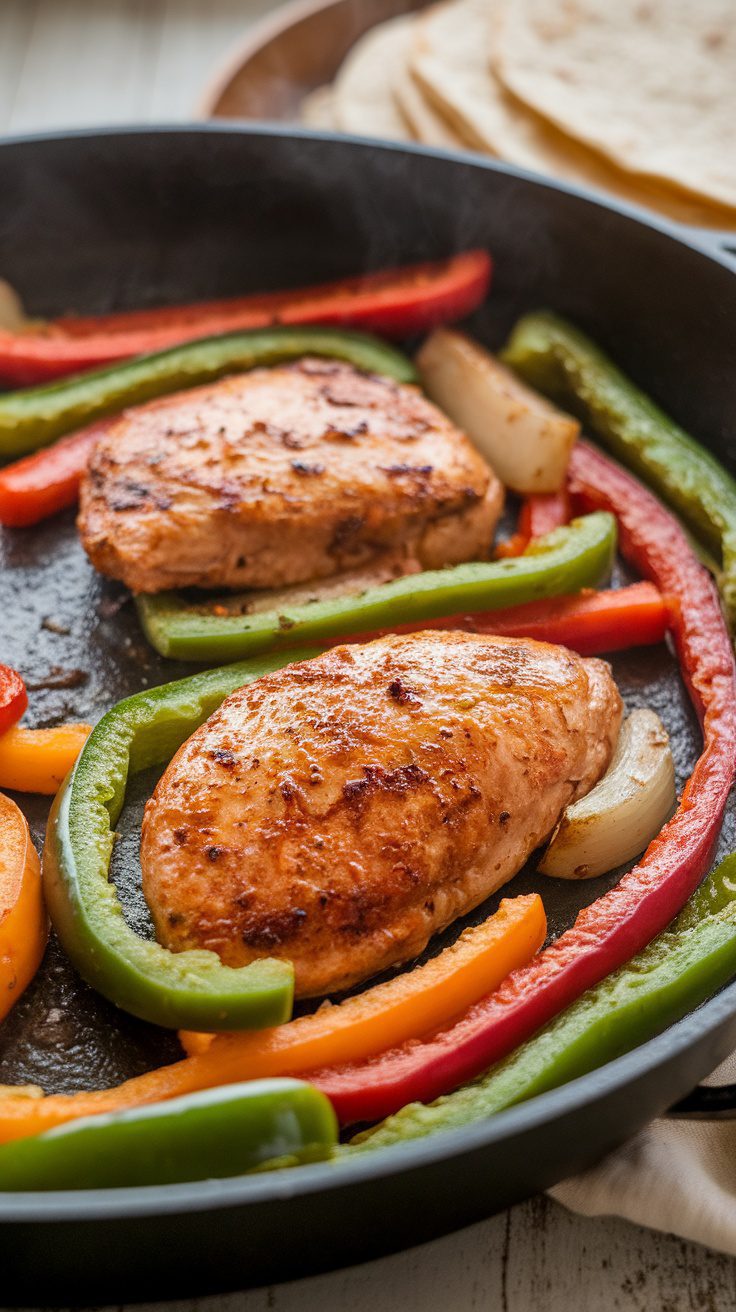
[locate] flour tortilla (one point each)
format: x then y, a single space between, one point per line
449 60
422 115
650 84
450 63
317 109
363 99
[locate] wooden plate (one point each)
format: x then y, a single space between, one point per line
290 53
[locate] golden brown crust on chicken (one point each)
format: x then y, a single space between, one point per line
340 811
282 475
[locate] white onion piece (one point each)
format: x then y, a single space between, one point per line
617 819
525 439
13 318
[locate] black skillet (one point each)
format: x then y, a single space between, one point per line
124 219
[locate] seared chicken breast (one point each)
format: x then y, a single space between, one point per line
339 811
281 476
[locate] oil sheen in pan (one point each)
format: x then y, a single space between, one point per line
61 1034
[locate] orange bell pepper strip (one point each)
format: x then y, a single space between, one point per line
395 303
23 923
38 760
13 697
589 622
410 1005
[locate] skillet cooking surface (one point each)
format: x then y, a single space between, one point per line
142 218
62 1034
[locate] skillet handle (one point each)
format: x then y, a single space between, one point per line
707 1103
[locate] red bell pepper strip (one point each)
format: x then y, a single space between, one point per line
619 924
13 697
540 513
589 622
395 303
544 512
48 481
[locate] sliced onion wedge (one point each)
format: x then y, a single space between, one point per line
617 819
525 439
13 318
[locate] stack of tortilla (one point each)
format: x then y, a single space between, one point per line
636 98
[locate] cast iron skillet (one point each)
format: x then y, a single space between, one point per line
119 219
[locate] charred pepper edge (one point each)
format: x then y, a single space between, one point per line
38 760
577 556
32 418
189 990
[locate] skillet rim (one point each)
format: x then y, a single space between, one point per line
322 1177
717 244
303 1181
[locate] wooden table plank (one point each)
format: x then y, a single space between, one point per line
86 64
535 1257
75 63
17 21
197 37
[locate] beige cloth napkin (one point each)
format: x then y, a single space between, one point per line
677 1176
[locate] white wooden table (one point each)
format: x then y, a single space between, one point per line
75 63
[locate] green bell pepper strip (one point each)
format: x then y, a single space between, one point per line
577 556
34 417
192 989
677 971
561 361
201 1136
